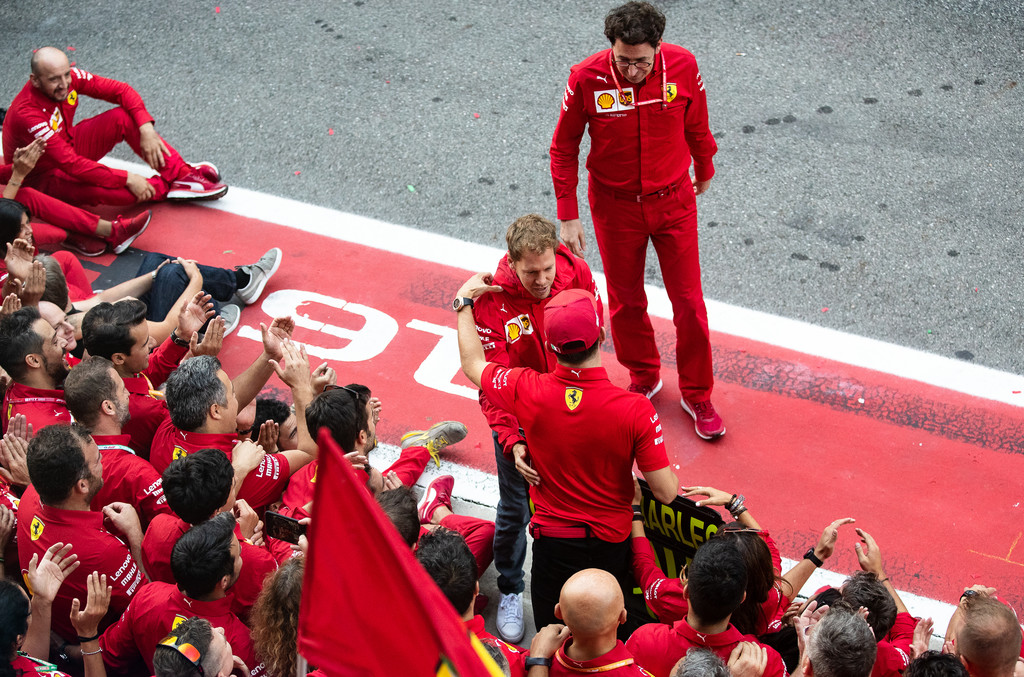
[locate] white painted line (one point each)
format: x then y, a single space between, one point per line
888 358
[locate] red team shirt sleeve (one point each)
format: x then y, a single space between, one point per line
650 438
265 484
663 595
492 337
698 135
164 360
565 148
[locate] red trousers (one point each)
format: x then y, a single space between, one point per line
623 229
94 138
57 213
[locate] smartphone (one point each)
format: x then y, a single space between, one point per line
283 528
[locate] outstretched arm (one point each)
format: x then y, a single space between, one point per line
471 351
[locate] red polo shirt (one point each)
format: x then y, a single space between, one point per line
41 407
659 647
130 479
155 611
257 562
99 550
516 656
261 487
584 434
618 661
145 402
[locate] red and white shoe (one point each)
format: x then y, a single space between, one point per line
83 245
207 170
706 420
125 231
438 493
195 186
646 391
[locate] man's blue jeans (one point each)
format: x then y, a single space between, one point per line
510 523
171 281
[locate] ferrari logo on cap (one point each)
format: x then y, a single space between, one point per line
36 528
671 90
573 397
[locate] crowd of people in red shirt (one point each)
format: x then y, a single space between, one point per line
153 507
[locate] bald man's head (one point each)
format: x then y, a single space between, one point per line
51 72
591 604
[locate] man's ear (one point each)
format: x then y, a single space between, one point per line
558 612
686 591
363 438
34 360
108 408
214 411
118 359
623 616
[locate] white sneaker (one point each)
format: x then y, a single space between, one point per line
510 618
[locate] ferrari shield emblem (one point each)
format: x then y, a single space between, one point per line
178 453
36 528
670 92
573 397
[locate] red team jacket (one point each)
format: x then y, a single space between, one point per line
41 407
635 150
33 115
145 402
511 328
658 647
130 479
618 661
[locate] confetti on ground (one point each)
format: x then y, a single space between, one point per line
229 251
929 331
741 53
412 188
70 48
216 10
72 63
860 400
330 132
297 172
975 289
387 82
824 310
476 115
1016 392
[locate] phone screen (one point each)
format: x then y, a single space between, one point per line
283 528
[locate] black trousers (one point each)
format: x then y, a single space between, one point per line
555 560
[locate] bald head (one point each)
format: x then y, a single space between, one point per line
591 603
51 72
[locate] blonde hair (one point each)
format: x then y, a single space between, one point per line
530 233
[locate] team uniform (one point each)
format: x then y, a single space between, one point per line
41 406
40 526
257 563
511 328
640 191
894 650
516 656
63 216
145 403
584 434
665 597
618 661
24 664
261 487
69 169
156 610
658 647
129 479
10 500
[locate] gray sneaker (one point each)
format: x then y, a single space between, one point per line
439 436
232 315
510 618
259 274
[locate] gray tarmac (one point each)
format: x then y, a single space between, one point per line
869 158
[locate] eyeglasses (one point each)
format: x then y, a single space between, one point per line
639 64
357 395
185 649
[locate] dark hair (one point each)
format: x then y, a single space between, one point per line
202 556
169 662
56 461
400 507
716 580
842 644
936 664
635 23
107 327
448 560
192 389
990 637
864 590
87 385
199 484
18 339
268 409
580 356
10 219
342 412
275 618
14 612
750 618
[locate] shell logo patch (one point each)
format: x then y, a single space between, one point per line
72 97
671 90
518 327
178 453
611 101
56 120
573 397
36 528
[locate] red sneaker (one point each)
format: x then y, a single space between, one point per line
207 170
438 493
83 245
195 186
125 231
646 391
706 420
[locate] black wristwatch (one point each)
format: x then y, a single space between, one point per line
178 341
461 302
814 558
538 661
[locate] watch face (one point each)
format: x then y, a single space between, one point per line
457 303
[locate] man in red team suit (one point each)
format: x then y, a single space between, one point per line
584 435
645 105
511 328
45 109
33 353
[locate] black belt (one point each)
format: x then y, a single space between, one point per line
582 531
646 197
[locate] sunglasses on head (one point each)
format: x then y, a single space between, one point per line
185 649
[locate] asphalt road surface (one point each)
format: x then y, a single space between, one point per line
869 158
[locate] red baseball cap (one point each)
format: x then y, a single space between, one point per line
571 321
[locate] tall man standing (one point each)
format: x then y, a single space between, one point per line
645 104
510 323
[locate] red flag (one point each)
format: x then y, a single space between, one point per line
368 607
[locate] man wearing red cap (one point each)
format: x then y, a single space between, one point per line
583 434
644 103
